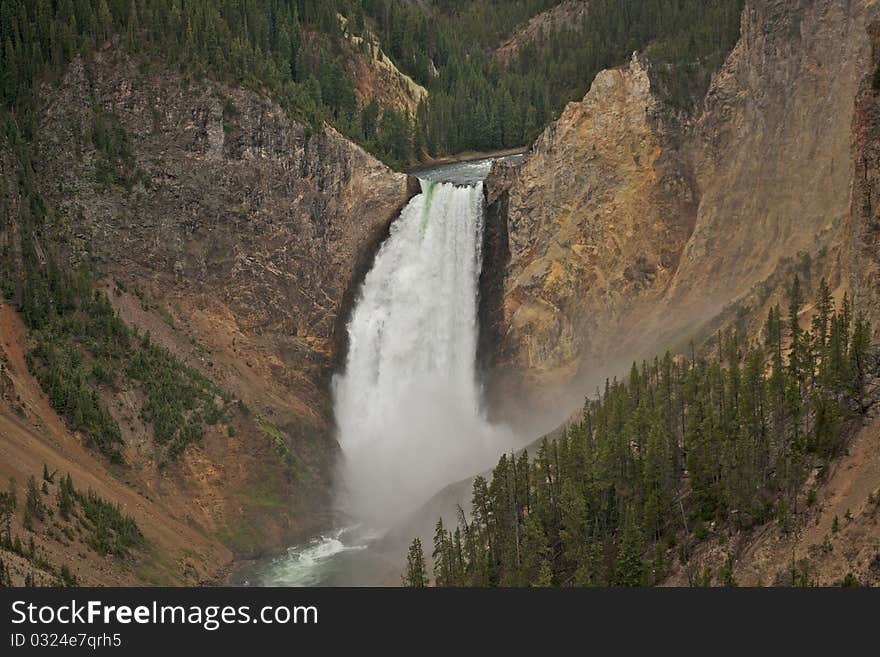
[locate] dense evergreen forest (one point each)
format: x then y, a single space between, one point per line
657 457
293 50
478 102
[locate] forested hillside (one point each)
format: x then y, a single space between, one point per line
258 44
726 440
478 102
294 50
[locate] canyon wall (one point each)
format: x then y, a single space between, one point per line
244 220
596 219
632 228
236 238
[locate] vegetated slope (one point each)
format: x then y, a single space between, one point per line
183 254
42 543
545 25
377 80
437 85
296 52
478 101
836 539
701 468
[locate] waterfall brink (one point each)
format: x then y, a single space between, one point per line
407 404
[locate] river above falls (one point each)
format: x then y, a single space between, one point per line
464 172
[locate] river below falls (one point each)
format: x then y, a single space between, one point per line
342 557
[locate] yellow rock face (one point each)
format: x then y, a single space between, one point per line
632 228
597 217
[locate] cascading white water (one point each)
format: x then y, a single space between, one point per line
407 403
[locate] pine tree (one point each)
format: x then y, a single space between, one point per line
442 556
416 575
8 503
796 301
629 568
824 309
33 502
858 367
536 555
65 497
726 574
370 119
574 526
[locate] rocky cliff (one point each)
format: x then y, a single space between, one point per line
596 218
865 211
631 226
235 236
772 147
239 216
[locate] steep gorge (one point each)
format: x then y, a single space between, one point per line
633 228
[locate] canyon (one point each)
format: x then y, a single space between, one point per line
631 227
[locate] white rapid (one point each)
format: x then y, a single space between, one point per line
407 404
310 564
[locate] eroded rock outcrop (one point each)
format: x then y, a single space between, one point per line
236 209
772 145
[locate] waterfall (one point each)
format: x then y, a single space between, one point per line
407 404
